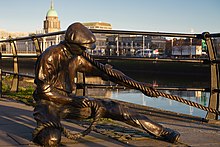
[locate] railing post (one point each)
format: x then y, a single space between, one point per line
0 74
214 85
37 45
15 81
81 89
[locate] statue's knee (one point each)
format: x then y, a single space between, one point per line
48 137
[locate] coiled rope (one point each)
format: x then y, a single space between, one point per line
66 132
149 91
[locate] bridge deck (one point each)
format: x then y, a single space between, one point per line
17 123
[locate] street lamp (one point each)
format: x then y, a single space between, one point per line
117 45
143 44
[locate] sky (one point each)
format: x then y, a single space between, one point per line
179 16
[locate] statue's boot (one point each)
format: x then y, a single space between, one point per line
48 137
154 128
127 115
170 135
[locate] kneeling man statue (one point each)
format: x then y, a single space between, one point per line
55 97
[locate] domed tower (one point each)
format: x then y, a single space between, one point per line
52 23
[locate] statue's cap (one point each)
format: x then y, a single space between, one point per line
79 34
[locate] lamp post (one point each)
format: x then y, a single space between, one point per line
117 45
191 44
190 47
143 44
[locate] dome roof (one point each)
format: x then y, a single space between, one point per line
52 12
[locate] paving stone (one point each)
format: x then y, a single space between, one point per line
17 124
5 140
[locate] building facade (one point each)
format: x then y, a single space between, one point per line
128 45
101 39
52 23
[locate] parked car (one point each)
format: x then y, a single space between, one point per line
144 53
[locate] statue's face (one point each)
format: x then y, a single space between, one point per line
78 49
89 46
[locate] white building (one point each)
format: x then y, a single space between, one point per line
101 39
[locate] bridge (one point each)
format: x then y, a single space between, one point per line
194 130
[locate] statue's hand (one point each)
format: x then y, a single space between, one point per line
150 91
79 101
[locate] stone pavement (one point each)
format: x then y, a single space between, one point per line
17 124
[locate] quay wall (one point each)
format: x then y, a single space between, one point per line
131 67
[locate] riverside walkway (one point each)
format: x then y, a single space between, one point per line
17 124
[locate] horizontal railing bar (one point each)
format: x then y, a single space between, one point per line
131 58
33 36
158 88
214 35
19 74
125 32
104 86
150 59
182 89
215 61
110 32
21 56
216 90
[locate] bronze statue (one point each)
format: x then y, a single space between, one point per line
55 95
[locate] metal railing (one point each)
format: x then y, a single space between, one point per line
212 59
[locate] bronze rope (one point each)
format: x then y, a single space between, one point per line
66 132
149 91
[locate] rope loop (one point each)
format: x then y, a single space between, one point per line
65 131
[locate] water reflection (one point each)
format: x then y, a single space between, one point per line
164 103
134 96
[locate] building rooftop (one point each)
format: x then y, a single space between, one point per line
98 24
52 12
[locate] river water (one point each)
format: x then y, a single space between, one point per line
164 103
135 96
